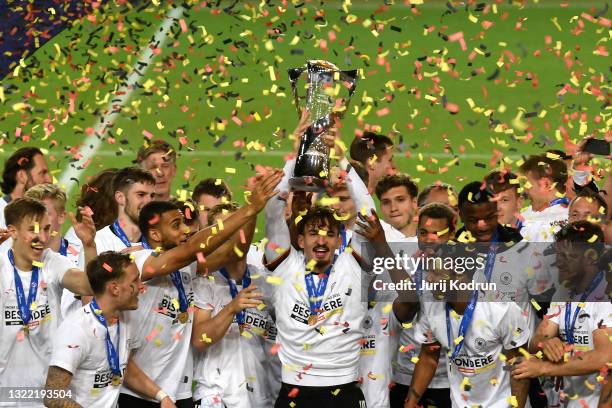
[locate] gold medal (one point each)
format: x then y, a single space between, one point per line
183 317
312 320
116 380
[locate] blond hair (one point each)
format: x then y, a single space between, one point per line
49 191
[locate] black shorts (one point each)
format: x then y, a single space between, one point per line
336 396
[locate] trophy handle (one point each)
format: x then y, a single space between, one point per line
294 75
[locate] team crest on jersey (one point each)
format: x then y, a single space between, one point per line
368 322
479 343
506 278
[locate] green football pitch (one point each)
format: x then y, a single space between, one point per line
460 88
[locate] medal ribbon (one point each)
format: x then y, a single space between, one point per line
560 200
246 281
63 249
112 353
176 280
315 295
120 233
344 244
24 307
466 320
569 324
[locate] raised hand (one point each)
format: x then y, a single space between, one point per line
245 299
371 228
301 201
85 229
265 189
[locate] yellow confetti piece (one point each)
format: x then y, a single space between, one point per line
230 170
458 340
592 239
33 305
536 305
311 264
336 392
36 228
512 401
238 252
206 339
246 334
274 280
38 264
407 325
387 308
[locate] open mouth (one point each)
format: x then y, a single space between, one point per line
320 252
38 247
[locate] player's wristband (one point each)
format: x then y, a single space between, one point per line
161 394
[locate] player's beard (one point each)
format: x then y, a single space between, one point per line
132 215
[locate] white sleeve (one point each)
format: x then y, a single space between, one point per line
422 329
58 265
359 191
513 328
277 230
603 314
554 312
69 347
140 258
204 292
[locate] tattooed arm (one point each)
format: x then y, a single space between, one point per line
59 379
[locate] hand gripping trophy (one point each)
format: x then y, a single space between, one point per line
328 93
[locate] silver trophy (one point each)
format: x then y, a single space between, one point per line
328 93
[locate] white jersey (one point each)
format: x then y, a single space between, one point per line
106 240
591 317
495 326
79 346
541 226
255 257
161 334
24 358
519 273
327 353
378 347
237 371
76 254
3 204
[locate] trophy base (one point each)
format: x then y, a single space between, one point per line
307 183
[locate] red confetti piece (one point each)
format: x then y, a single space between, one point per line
294 392
107 267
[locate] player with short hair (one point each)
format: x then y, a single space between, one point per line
398 202
546 176
159 158
208 193
479 337
589 206
436 226
375 153
505 187
25 168
92 350
438 192
133 189
32 278
575 336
